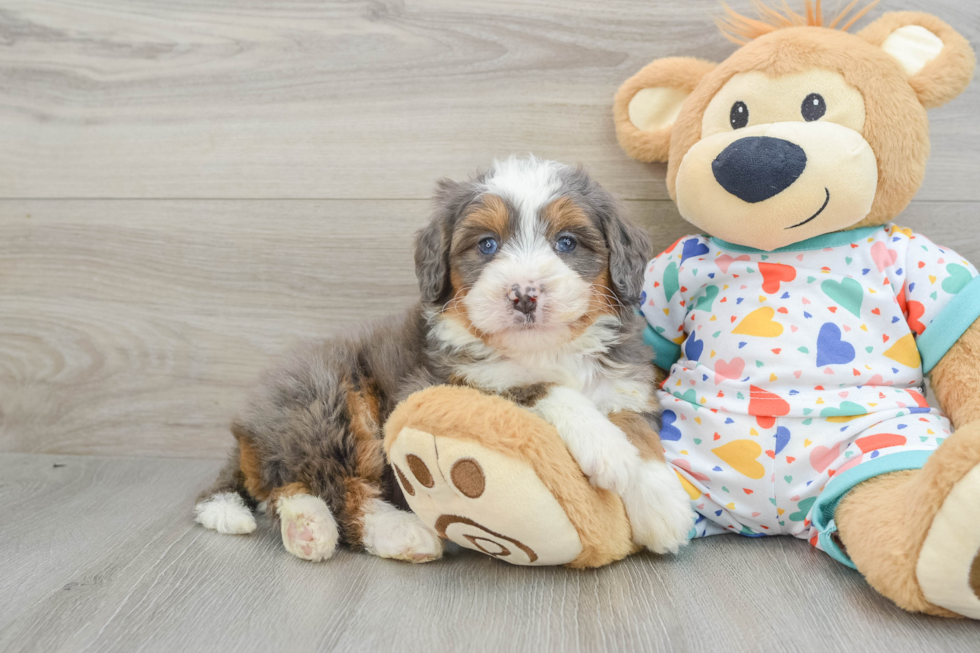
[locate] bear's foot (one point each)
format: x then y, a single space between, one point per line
495 478
915 534
482 500
948 568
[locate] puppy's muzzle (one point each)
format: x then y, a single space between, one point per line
756 168
525 300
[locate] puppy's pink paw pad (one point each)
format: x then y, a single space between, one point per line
308 529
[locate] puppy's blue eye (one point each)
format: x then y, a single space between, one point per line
565 244
488 246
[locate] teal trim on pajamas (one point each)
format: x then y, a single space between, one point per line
822 516
665 352
951 323
833 239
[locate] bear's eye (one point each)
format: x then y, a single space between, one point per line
739 116
813 107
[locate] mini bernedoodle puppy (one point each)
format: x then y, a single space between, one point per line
530 276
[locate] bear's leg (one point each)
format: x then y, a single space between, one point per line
915 535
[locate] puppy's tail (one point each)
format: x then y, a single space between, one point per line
227 505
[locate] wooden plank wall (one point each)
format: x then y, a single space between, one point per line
187 187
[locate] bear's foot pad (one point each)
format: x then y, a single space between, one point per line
482 499
948 569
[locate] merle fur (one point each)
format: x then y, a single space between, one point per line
297 418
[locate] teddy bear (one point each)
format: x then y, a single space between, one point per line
795 329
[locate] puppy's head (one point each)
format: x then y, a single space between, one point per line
529 254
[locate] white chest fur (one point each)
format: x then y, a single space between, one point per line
581 365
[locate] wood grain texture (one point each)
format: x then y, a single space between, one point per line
354 99
102 555
136 327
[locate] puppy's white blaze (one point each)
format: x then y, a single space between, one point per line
393 533
528 183
563 296
225 513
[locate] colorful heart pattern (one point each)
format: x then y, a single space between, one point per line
831 348
760 323
742 456
797 366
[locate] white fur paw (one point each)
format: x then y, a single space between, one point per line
309 530
393 533
225 513
607 459
659 509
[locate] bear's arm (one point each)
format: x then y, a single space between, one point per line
956 378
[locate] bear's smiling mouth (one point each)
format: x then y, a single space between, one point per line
819 211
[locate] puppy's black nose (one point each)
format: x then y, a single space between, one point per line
525 300
755 168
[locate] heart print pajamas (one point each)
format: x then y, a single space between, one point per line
797 374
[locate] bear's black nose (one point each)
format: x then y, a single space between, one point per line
755 168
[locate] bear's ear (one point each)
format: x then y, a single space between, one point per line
937 59
647 104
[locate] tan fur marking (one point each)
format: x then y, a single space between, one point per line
490 214
563 214
362 405
527 395
604 299
251 467
495 423
288 490
636 428
356 496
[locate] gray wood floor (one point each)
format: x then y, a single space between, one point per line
100 554
187 187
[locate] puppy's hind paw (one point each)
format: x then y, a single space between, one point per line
309 530
659 509
225 513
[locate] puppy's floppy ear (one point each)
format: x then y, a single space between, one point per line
432 243
939 62
629 250
648 103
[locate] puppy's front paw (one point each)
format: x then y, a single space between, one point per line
659 509
393 533
309 530
607 459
